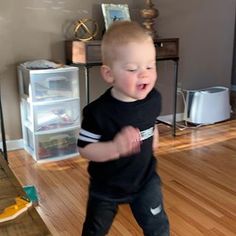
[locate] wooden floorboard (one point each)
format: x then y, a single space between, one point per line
198 170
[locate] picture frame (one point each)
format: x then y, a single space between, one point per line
114 12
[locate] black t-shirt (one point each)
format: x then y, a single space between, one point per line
102 120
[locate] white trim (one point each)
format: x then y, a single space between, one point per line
168 119
86 139
89 134
14 144
145 134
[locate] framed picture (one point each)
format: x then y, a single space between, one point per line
114 12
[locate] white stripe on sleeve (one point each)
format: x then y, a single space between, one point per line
87 136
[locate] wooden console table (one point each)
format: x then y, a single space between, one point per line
88 54
27 223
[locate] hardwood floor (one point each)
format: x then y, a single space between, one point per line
198 170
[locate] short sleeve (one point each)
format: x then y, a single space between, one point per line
89 132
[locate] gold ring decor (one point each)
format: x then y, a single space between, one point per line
85 29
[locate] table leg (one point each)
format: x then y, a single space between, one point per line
175 99
87 84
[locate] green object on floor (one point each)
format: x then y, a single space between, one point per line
31 193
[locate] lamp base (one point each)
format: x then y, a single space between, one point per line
149 13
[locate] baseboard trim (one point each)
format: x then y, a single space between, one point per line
14 144
168 119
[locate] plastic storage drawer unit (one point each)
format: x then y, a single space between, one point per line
50 112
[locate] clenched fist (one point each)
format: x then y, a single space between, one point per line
127 141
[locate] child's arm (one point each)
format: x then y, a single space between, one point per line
126 142
155 142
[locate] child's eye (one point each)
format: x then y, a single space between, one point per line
131 70
150 67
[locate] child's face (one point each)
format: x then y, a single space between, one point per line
134 71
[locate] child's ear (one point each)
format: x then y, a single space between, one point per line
107 74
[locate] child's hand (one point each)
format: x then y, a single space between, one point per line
127 141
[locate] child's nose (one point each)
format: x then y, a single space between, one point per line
143 73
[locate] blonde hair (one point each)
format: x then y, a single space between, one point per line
119 34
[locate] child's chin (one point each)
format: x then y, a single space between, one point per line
143 94
141 97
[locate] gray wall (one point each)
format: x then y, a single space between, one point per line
233 80
36 29
32 30
206 33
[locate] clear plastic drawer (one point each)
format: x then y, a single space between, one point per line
52 145
49 84
53 115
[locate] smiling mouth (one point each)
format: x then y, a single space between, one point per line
142 86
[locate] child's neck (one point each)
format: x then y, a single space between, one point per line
121 97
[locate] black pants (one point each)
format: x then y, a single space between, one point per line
147 208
